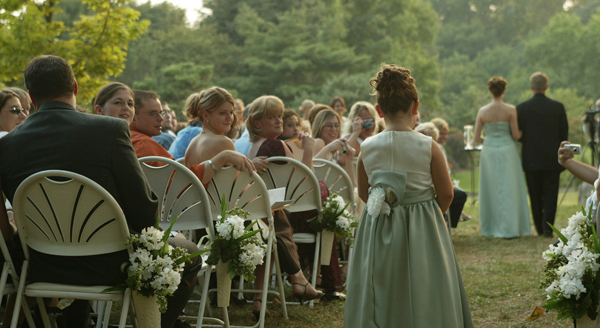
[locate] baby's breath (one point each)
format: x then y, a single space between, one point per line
152 267
571 278
336 218
236 244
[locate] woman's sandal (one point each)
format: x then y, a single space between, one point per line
257 312
303 296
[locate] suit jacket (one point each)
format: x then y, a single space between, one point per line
543 122
98 147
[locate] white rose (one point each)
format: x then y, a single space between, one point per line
376 203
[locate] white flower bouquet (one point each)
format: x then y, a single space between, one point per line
336 218
571 277
154 266
236 244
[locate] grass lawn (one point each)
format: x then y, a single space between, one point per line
501 278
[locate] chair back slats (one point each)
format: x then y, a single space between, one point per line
64 213
335 178
54 213
180 194
241 190
302 187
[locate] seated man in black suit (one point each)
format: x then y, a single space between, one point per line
98 147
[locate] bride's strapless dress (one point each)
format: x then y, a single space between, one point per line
503 207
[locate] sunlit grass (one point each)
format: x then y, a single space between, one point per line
502 276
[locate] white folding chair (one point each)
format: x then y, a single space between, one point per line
303 188
66 214
250 194
181 195
7 288
336 179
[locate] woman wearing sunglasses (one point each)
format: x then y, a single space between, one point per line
11 114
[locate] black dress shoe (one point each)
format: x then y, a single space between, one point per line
333 295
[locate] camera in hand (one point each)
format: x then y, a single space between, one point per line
368 123
575 148
345 148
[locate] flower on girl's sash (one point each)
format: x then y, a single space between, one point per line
376 204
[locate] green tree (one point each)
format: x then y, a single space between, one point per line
95 46
292 57
567 49
575 106
176 82
224 13
322 48
351 87
159 60
473 25
400 32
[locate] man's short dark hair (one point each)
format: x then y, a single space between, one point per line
48 77
140 95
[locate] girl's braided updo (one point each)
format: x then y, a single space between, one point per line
394 89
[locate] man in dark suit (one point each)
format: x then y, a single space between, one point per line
543 122
98 147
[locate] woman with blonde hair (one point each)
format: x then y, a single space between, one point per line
314 111
265 124
328 144
214 109
365 123
194 105
428 129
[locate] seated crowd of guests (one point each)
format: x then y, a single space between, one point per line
220 132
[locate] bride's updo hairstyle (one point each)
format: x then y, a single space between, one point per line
497 85
394 89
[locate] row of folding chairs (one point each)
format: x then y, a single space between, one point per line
251 194
62 213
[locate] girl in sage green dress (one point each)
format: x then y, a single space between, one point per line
404 271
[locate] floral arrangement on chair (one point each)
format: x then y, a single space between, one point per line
571 275
335 218
236 244
154 266
236 250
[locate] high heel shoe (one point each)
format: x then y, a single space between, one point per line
255 311
303 296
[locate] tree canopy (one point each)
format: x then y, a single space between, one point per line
292 49
317 49
480 39
95 42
